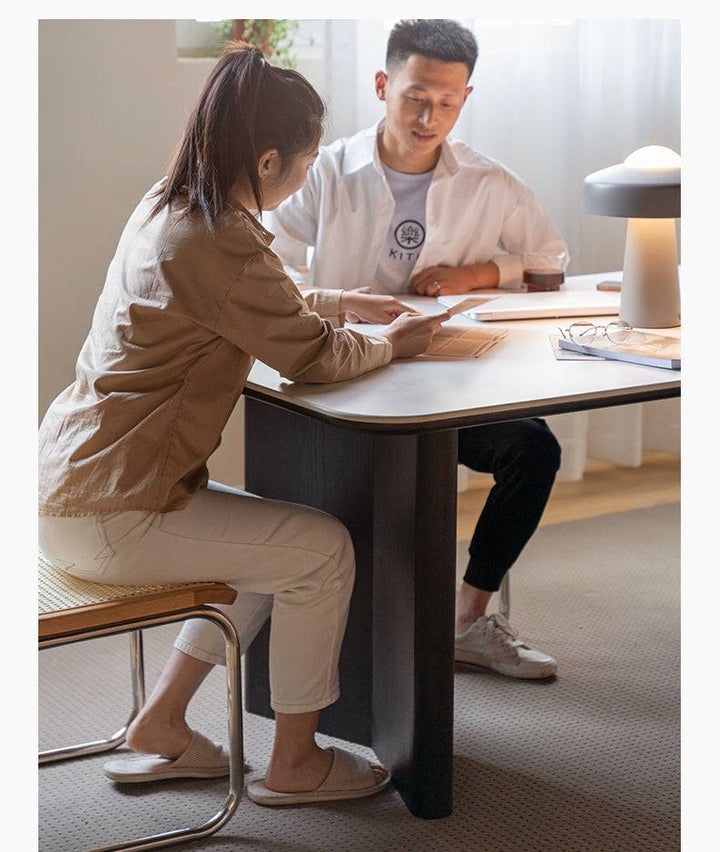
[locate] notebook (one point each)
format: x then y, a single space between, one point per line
558 303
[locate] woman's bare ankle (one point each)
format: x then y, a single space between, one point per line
298 774
150 734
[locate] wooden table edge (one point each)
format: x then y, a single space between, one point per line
516 411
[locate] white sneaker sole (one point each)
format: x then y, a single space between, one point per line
535 672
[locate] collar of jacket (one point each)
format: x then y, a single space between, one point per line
362 150
243 213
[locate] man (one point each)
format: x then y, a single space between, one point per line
401 208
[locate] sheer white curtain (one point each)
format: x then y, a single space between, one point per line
554 100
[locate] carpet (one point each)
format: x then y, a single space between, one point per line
586 762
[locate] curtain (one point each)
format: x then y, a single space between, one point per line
553 100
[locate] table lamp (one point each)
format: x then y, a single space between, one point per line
645 188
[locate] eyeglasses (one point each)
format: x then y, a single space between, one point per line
618 331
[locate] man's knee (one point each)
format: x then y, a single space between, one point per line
535 448
543 447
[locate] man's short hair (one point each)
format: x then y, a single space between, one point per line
432 38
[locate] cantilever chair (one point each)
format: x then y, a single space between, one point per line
73 610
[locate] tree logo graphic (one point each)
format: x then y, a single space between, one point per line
410 234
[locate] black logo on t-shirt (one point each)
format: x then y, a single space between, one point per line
410 234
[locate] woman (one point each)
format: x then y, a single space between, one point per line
193 294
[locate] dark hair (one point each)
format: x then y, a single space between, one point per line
246 107
435 38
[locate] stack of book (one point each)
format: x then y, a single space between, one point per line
652 350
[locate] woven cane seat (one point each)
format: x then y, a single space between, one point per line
67 604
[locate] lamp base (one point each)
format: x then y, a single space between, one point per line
650 287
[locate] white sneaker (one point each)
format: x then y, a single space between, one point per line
492 643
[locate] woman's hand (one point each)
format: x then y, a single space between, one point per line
412 334
451 280
370 307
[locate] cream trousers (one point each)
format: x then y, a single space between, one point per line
293 561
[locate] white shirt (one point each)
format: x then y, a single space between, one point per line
477 211
406 234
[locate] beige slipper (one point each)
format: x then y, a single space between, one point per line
350 777
201 759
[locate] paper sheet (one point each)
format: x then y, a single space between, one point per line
468 304
460 304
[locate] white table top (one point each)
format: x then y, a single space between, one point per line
519 377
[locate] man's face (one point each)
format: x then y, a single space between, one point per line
424 98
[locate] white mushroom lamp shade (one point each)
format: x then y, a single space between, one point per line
646 190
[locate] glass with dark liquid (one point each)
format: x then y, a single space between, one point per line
543 272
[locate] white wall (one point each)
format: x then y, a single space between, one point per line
113 100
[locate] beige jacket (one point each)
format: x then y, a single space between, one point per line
181 317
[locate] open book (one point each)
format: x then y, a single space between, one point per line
462 342
652 350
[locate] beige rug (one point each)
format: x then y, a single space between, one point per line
586 763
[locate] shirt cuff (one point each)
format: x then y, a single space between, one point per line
324 302
511 271
384 349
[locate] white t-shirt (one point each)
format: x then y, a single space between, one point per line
406 234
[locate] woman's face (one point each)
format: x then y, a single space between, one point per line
276 185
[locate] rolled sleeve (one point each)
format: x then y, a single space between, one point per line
527 227
511 271
324 302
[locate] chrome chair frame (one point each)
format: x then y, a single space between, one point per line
234 697
137 669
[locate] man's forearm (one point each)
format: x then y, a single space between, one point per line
484 275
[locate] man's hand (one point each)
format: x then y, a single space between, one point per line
455 280
368 307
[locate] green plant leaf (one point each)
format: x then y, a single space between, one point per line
272 35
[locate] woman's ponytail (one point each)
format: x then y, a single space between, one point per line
246 107
249 69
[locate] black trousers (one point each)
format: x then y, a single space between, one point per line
523 457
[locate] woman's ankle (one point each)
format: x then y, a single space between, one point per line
294 756
298 774
153 733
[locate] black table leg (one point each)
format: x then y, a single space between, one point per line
397 496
